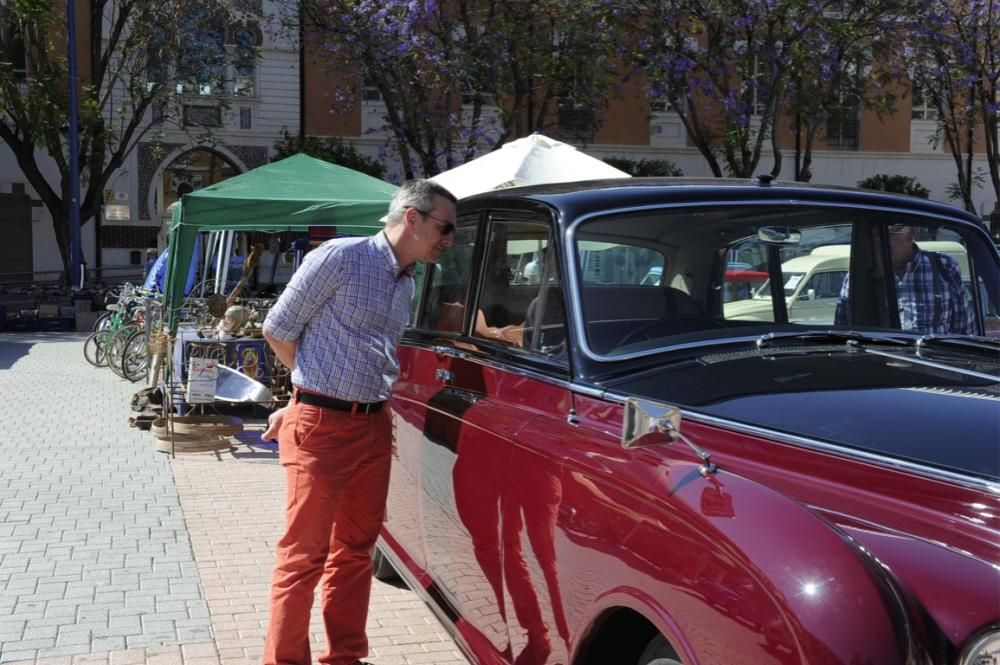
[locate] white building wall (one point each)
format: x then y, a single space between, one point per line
935 171
45 256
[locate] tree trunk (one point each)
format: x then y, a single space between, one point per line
60 225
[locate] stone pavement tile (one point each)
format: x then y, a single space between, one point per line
119 555
233 508
85 482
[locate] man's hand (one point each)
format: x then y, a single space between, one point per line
274 425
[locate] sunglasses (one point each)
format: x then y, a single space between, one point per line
444 226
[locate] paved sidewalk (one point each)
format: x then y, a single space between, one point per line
111 553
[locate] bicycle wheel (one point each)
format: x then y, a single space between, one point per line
95 348
116 347
103 322
135 358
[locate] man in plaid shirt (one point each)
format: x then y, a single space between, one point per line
929 289
337 325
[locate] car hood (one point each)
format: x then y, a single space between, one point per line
755 305
939 408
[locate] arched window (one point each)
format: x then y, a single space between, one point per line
245 42
201 67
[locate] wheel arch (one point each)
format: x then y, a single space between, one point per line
623 625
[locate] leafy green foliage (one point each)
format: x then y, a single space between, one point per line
329 149
645 167
131 53
900 184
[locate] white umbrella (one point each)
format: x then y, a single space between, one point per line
533 160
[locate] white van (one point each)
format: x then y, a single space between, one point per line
812 288
813 282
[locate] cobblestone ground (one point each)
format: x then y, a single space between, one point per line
111 553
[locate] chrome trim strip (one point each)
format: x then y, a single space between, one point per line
589 391
970 341
916 360
455 352
835 449
573 281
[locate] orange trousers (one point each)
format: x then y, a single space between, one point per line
337 474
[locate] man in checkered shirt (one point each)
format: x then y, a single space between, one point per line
929 289
337 325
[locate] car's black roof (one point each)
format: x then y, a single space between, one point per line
578 198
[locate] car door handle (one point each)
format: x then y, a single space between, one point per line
444 375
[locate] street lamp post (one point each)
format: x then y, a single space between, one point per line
75 254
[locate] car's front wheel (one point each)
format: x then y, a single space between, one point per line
382 569
659 652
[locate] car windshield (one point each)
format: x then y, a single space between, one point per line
651 280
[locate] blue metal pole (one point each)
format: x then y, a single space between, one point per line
75 254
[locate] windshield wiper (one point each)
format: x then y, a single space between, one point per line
965 342
850 337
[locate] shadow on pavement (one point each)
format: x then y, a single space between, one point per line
12 351
14 346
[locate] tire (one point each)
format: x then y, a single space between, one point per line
116 347
382 569
95 348
135 358
659 652
102 322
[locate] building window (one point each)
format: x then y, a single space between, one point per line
370 91
245 118
843 124
843 128
245 40
577 121
923 103
202 116
13 51
201 67
757 105
470 95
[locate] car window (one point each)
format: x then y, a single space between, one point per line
823 285
520 302
818 262
617 263
443 307
931 283
849 267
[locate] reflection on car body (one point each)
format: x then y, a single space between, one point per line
777 492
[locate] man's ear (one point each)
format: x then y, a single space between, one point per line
410 218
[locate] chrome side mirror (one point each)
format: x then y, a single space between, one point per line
648 423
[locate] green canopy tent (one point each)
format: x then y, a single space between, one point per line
289 195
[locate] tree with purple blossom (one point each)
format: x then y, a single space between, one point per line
460 77
844 62
955 63
720 66
733 70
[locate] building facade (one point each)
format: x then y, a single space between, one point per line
233 126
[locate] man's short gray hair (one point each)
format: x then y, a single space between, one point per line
417 194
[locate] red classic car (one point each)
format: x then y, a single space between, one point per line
612 472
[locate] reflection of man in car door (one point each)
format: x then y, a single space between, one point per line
929 289
498 512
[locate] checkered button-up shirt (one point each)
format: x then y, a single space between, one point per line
931 297
346 307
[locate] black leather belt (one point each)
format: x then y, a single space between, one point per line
325 402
